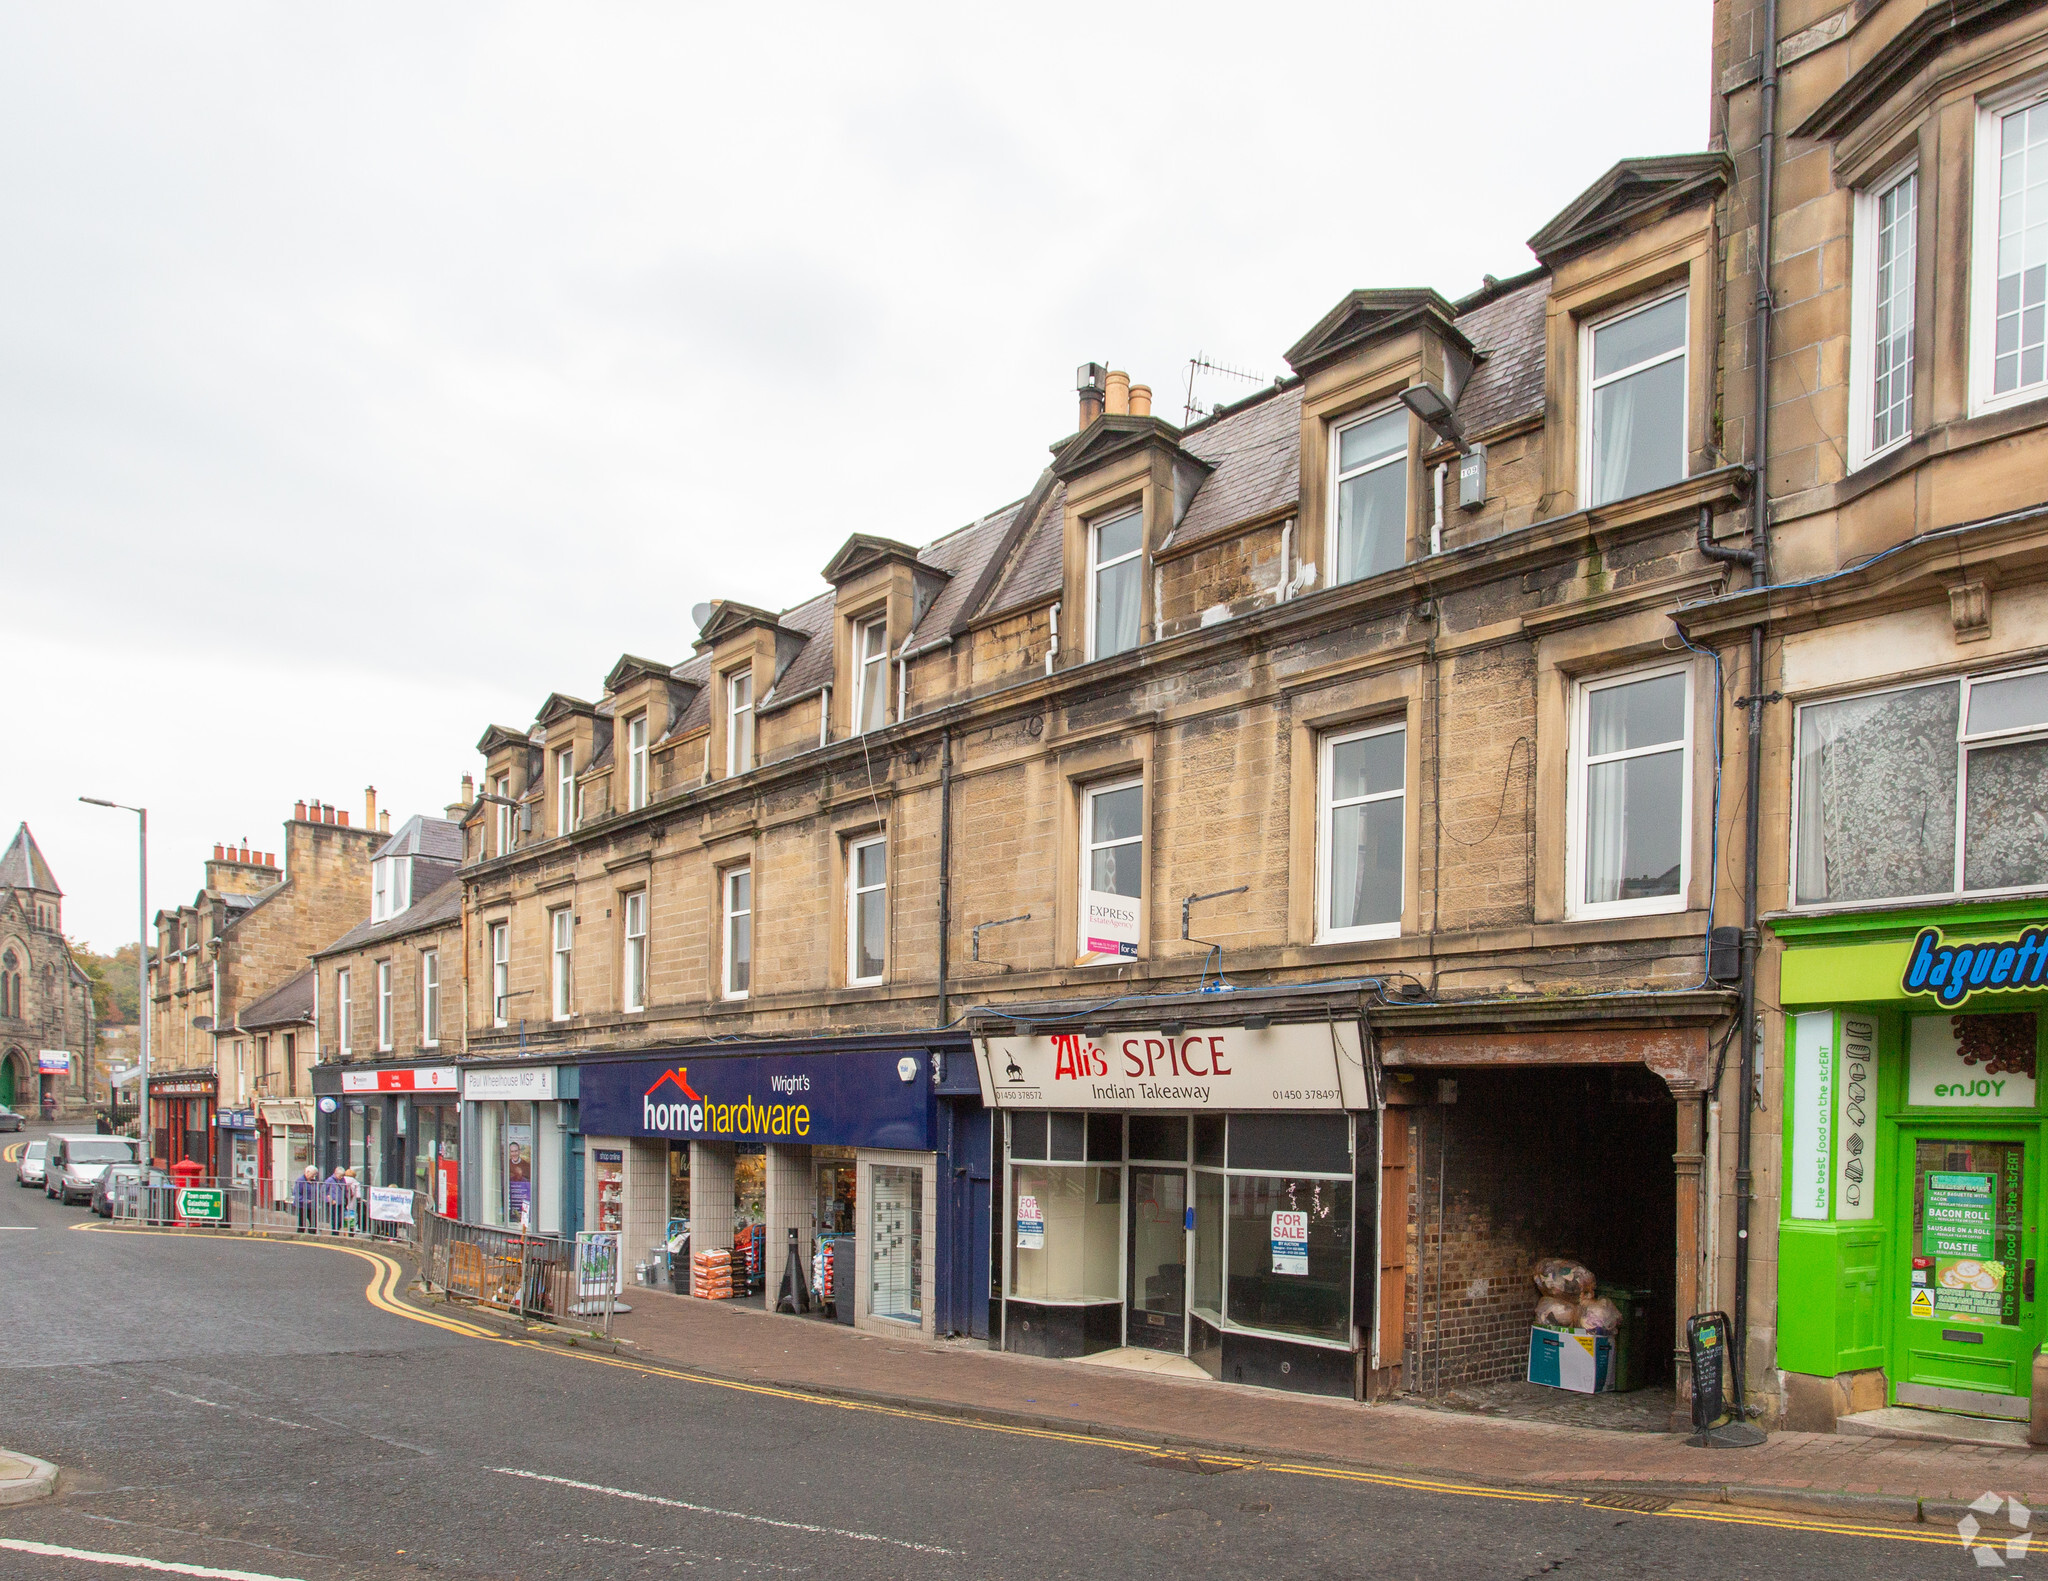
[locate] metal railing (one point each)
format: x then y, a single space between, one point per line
536 1276
258 1206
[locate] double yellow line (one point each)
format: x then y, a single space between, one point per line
386 1273
11 1153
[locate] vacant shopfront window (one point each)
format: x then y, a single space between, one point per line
1066 1196
1273 1224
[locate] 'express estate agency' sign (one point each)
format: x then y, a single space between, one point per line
856 1099
1316 1065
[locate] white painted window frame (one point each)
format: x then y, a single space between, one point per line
430 999
562 962
1090 845
738 762
854 891
1576 906
1984 252
501 974
870 671
344 1033
1588 384
1340 475
504 789
565 790
1863 314
1326 809
636 763
384 1007
1097 565
633 961
731 915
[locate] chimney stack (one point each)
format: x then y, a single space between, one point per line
1088 381
1141 400
220 853
369 806
298 812
343 819
384 823
468 789
245 853
1117 395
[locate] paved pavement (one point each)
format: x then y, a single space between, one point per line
269 1410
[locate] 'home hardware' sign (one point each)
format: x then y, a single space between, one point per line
1953 972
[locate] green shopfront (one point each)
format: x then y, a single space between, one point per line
1911 1227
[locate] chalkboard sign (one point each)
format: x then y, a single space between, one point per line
1706 1343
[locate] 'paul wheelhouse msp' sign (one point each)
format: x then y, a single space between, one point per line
1314 1065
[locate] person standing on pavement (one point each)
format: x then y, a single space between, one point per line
355 1202
306 1200
334 1199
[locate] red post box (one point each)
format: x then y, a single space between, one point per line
185 1172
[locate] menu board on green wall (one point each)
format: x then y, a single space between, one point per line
1966 1213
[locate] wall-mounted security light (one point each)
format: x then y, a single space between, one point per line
1430 404
1173 1029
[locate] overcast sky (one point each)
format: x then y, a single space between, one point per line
369 371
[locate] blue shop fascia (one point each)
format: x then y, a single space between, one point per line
869 1157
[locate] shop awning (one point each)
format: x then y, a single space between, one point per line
279 1112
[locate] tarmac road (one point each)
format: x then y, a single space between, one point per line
235 1408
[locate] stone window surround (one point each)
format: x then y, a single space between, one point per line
1085 767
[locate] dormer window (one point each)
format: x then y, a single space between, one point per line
1634 418
1370 499
565 791
636 762
503 789
390 887
1116 579
871 677
739 722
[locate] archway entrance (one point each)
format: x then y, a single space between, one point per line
13 1070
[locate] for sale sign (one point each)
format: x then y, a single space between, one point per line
1290 1243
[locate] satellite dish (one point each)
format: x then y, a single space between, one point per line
700 613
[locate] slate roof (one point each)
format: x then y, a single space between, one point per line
812 666
22 865
439 903
435 838
285 1006
962 554
1508 385
1034 571
1256 451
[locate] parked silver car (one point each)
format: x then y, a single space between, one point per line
76 1162
9 1119
28 1169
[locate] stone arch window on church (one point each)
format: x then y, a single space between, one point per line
10 984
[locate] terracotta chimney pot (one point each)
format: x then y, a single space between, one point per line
298 812
1141 400
343 816
1117 399
219 854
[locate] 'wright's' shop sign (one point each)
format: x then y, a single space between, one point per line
863 1098
1310 1066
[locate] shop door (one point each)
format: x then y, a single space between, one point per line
1158 1282
1965 1285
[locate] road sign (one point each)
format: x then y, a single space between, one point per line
202 1202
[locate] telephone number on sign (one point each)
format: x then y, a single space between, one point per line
1303 1094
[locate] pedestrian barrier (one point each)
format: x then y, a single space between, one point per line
338 1209
533 1275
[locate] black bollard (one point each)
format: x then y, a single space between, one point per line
795 1296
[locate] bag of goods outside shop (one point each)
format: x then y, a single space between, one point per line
1556 1312
711 1276
1600 1316
1564 1278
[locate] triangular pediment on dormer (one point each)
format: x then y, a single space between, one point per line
863 552
728 619
1367 316
1634 193
498 737
631 668
562 706
1110 438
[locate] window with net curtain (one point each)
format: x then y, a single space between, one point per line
1632 791
1885 777
1635 398
1371 496
1116 571
1363 786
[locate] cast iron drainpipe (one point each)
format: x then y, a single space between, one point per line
945 860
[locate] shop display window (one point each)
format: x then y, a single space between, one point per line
678 1182
1071 1247
1279 1291
836 1190
896 1264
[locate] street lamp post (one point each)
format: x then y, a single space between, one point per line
141 969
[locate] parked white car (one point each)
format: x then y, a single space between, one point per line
28 1169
